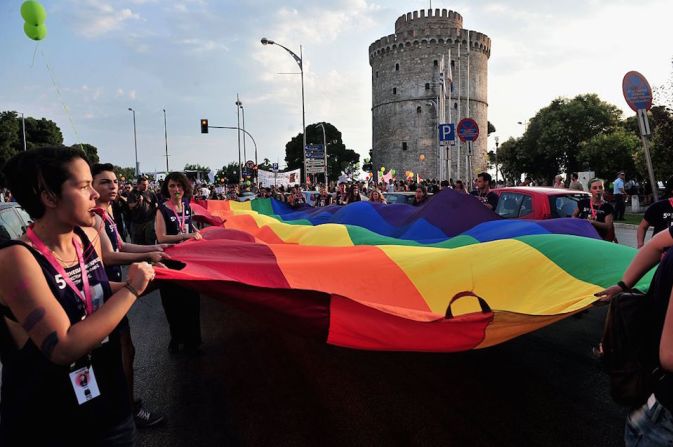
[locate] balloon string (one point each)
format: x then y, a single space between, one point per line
60 97
37 45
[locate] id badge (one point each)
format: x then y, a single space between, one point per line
84 384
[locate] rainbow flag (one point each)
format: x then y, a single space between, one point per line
411 280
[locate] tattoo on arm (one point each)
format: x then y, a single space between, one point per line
49 344
33 318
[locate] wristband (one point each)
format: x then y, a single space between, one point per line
132 289
623 286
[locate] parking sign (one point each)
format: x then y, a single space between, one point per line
447 132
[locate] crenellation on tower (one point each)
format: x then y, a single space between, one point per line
406 85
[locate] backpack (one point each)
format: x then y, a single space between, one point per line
628 352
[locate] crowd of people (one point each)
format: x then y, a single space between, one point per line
65 341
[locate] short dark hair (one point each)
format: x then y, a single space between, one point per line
31 172
485 176
97 168
142 178
177 177
575 176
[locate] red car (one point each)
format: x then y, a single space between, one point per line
527 202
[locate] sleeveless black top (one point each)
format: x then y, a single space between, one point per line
37 401
660 290
171 220
114 272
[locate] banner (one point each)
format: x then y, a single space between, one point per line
268 179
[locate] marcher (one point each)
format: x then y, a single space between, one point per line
652 424
62 377
376 197
353 194
116 253
459 187
420 197
323 198
658 215
558 182
173 225
486 196
619 195
575 184
599 212
143 205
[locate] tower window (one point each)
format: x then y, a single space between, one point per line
453 63
377 73
394 90
435 63
404 145
397 67
455 105
418 109
427 86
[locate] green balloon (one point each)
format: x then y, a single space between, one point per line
35 32
33 12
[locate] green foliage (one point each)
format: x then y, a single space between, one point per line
197 167
339 159
125 174
229 172
265 165
491 128
554 135
609 153
90 151
509 157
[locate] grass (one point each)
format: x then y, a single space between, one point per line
631 218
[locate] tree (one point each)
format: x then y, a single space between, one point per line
491 128
124 174
265 165
661 147
197 167
339 159
511 160
609 153
228 172
553 137
89 150
42 132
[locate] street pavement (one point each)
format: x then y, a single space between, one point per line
256 385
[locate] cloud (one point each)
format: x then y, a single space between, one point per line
95 19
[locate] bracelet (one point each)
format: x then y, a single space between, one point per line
623 286
132 289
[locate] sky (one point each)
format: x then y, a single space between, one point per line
193 57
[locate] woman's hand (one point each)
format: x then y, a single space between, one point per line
607 294
139 275
196 236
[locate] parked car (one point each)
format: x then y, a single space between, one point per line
527 202
401 197
13 221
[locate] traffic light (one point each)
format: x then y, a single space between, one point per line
204 126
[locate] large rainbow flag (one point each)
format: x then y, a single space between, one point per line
413 279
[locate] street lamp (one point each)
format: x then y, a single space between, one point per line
166 140
238 127
23 125
245 154
324 142
524 124
497 143
300 61
135 141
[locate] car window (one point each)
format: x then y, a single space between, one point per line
564 206
509 204
526 206
11 224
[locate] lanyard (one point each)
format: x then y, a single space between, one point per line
86 296
671 201
181 223
593 211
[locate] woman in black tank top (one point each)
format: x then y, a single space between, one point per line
62 381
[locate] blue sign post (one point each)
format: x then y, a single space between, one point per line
447 132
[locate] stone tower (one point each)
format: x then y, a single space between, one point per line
409 97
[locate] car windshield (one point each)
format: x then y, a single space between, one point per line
565 205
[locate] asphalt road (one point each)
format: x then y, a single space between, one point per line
258 386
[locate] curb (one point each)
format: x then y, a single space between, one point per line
625 225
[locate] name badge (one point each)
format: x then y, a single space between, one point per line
84 384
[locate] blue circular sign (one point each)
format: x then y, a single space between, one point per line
637 91
468 130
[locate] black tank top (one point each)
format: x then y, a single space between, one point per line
660 290
114 272
37 402
172 220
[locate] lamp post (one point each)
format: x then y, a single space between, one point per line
524 124
238 117
23 125
245 154
166 141
497 143
135 141
300 61
324 142
435 103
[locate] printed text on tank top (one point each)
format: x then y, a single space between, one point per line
594 211
181 222
63 276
